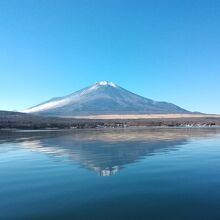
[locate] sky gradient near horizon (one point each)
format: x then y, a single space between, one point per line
167 50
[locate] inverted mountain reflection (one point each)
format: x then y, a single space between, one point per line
106 151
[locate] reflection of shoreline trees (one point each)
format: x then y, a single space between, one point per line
106 151
109 135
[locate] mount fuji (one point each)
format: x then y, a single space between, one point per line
103 98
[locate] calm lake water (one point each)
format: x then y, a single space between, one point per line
171 174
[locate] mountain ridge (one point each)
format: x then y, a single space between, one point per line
103 97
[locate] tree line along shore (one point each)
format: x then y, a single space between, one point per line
16 120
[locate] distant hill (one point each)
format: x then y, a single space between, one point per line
103 98
12 114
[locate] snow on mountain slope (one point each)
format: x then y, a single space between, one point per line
102 98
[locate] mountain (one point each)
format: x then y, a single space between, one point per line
103 98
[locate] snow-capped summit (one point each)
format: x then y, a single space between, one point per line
106 83
103 97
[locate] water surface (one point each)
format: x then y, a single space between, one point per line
110 174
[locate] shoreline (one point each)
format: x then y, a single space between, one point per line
16 120
108 128
107 124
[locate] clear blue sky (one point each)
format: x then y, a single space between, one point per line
165 50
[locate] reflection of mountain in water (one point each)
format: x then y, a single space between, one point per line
106 151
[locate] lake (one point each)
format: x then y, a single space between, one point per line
138 173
